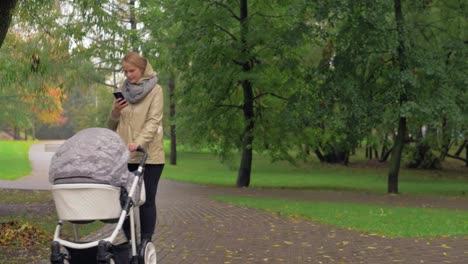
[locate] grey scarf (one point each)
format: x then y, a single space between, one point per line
134 92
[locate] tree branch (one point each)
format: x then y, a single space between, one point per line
229 106
106 84
227 8
226 31
455 157
272 94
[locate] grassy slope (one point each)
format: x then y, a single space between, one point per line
14 160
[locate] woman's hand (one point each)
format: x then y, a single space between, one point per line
132 147
119 104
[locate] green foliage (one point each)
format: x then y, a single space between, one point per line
89 108
325 74
205 41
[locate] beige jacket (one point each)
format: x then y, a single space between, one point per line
141 123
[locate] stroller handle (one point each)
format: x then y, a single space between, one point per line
145 156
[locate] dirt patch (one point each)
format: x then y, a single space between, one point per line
30 209
5 136
21 240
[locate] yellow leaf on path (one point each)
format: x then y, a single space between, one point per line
276 245
445 246
288 243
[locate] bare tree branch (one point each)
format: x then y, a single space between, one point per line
106 84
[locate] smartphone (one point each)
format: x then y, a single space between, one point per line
118 95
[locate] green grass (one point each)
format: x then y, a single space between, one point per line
389 221
204 168
14 159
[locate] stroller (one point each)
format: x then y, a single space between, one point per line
90 181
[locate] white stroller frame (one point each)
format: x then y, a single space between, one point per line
76 202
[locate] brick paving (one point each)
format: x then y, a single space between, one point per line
192 228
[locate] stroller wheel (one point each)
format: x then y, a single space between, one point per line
148 254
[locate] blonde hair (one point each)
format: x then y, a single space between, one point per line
136 60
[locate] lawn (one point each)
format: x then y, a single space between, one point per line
14 160
203 168
389 221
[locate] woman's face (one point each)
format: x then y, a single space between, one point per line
132 73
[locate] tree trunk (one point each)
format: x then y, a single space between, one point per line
383 151
16 133
385 155
399 143
460 149
243 178
396 157
445 139
319 155
133 26
466 155
173 154
6 12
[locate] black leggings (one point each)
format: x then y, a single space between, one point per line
148 214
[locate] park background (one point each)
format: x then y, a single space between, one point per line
366 96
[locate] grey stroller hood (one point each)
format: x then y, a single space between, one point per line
93 155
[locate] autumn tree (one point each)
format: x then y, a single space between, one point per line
37 68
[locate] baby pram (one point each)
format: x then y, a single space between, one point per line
90 181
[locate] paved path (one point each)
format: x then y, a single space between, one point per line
192 228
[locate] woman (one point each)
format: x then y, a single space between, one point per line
138 120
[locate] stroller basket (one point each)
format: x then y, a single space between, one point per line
81 202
